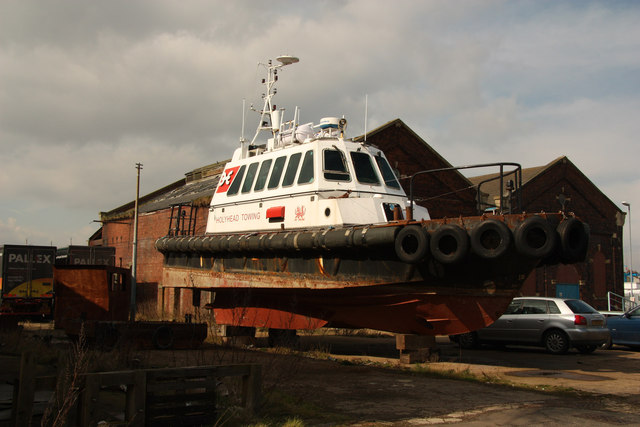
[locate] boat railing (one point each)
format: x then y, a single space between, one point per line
510 202
182 221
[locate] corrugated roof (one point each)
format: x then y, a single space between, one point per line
188 193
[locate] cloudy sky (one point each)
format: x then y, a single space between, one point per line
89 88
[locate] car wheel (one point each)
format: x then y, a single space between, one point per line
468 340
586 349
556 341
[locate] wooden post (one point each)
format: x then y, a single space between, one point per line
26 390
89 398
136 400
251 388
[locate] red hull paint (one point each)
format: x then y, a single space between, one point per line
409 313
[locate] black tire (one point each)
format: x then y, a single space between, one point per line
411 244
162 338
574 240
535 238
449 244
587 349
468 340
490 239
556 341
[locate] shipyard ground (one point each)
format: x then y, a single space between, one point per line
356 380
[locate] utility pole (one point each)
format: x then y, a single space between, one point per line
134 257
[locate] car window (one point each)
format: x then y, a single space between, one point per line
635 313
514 308
553 307
534 306
579 306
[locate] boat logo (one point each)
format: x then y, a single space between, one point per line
226 179
300 212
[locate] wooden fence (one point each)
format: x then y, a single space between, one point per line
158 397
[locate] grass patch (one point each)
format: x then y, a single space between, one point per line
281 409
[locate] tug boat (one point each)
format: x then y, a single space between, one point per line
312 229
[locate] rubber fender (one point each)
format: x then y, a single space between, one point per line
535 237
161 244
336 239
191 244
198 244
449 244
183 244
490 239
412 244
213 244
304 241
290 241
380 236
162 337
253 243
235 243
276 242
574 240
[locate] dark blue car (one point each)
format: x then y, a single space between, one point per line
625 329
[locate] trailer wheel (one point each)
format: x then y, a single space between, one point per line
162 337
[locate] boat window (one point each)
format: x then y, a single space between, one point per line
306 172
387 173
278 167
292 169
235 185
251 174
335 166
365 172
262 175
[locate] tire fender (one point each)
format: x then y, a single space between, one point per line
449 244
535 237
162 337
411 244
574 240
490 239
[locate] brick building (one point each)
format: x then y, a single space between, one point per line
182 208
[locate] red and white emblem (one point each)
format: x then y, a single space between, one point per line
299 213
226 179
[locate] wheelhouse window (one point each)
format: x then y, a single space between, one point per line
306 172
292 169
276 174
262 175
251 175
335 166
235 185
365 172
387 173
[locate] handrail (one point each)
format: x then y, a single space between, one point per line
517 172
626 303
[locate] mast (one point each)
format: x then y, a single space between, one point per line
269 116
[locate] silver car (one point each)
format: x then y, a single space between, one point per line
554 323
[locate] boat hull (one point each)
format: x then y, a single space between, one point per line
373 277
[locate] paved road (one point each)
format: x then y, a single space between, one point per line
611 378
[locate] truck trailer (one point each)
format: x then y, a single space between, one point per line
26 280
